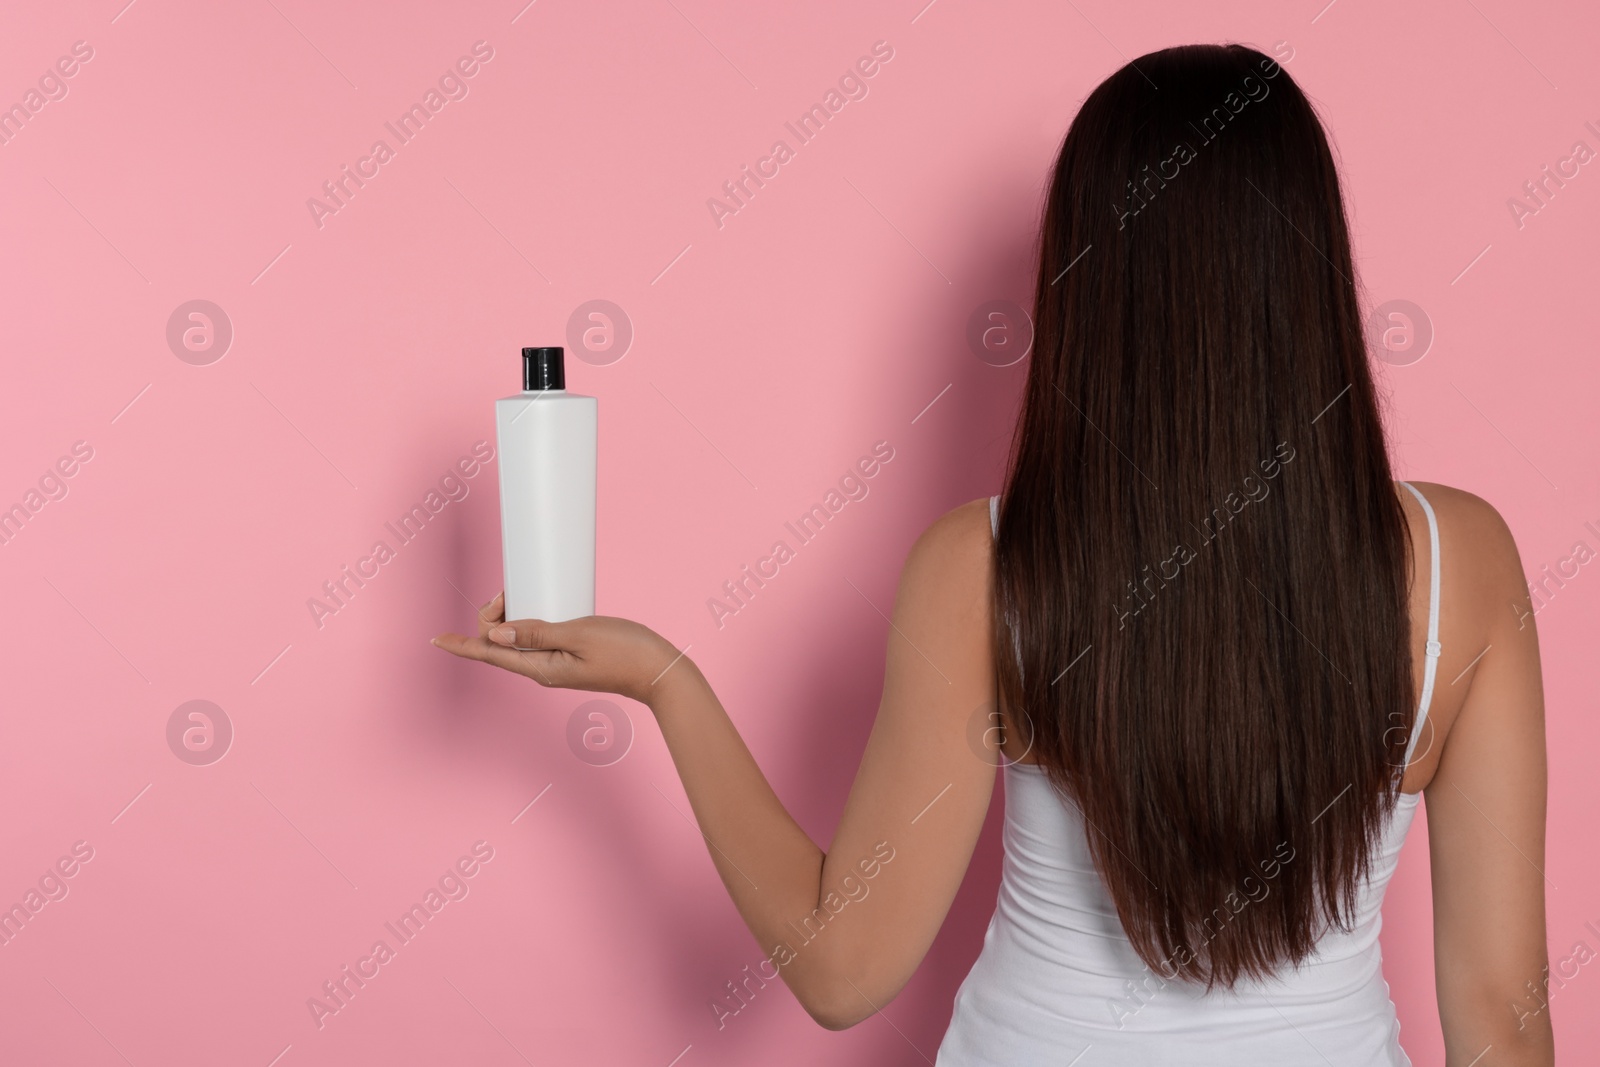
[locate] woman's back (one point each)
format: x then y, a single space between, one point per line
1058 977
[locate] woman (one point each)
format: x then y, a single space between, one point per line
1218 652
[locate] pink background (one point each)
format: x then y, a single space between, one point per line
768 355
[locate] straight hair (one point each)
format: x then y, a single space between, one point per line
1202 566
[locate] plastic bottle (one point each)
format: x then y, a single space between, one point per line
548 440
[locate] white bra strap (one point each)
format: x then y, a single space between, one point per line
1433 648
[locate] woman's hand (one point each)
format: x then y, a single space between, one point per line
596 653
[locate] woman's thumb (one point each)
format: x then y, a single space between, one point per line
522 634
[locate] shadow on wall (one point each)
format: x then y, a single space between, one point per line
955 453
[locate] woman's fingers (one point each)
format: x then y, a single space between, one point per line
532 633
596 652
491 613
539 665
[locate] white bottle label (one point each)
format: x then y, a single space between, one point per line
547 447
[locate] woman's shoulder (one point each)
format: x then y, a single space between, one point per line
1460 503
1483 590
963 529
953 553
1471 530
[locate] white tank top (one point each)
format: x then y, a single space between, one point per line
1058 983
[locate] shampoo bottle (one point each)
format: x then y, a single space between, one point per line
547 438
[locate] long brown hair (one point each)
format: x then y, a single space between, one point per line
1202 623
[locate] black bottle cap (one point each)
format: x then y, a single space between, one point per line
542 369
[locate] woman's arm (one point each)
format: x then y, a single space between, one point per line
1486 820
845 928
